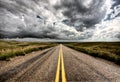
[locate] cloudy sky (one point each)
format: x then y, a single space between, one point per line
90 20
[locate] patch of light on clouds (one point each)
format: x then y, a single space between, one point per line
87 3
109 32
52 2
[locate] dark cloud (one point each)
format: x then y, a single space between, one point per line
117 2
85 12
22 18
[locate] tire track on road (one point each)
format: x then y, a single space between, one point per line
36 66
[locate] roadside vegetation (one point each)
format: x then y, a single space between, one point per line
9 49
106 50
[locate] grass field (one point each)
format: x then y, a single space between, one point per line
10 49
106 50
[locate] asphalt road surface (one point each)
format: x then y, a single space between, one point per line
58 64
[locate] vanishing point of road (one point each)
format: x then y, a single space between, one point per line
58 64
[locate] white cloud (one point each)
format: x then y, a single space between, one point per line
108 30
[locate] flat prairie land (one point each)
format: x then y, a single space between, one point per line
106 50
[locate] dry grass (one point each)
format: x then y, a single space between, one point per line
10 49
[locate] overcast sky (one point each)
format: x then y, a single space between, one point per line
89 20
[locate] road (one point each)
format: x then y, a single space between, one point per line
58 64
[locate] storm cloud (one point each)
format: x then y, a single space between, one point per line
83 13
60 19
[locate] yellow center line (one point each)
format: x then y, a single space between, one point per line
62 67
58 70
60 63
